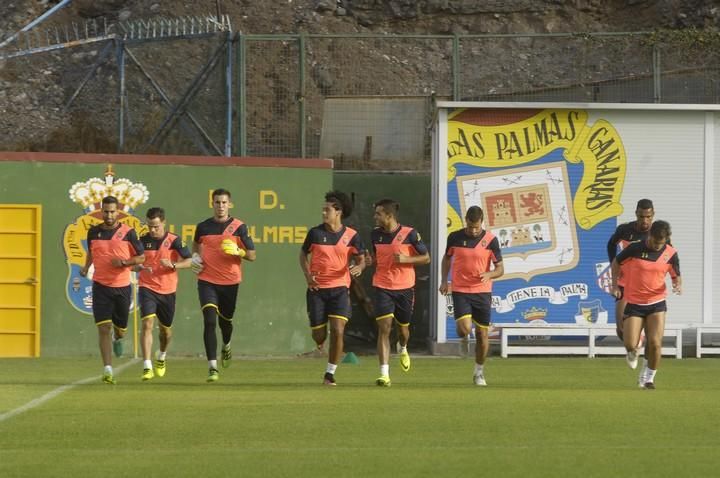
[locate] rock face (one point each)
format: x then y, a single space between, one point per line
98 8
34 91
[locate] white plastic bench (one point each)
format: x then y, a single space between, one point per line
590 348
701 329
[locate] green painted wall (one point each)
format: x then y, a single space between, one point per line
270 318
412 191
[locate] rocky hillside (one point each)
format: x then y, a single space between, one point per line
396 16
33 91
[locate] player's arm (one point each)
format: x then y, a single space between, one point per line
371 254
230 247
139 256
184 256
497 271
414 260
369 261
304 257
135 260
196 262
615 271
612 246
196 247
357 262
422 255
247 241
499 268
445 287
183 263
614 275
675 274
88 261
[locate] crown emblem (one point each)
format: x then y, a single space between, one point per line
91 193
534 313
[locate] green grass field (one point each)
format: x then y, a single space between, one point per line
550 417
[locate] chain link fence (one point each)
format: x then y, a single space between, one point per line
617 68
214 92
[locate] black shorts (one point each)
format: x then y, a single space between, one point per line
161 306
326 304
634 310
111 304
224 297
394 303
474 305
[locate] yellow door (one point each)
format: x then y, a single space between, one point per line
20 249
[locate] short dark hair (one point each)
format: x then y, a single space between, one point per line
221 192
340 201
644 204
154 212
474 214
660 230
110 200
389 206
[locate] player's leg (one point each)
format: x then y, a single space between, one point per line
463 319
166 314
164 338
481 350
319 335
122 298
105 344
148 321
121 314
338 310
102 307
209 306
315 304
384 308
148 307
481 310
655 329
632 326
226 310
146 339
210 318
483 343
316 309
619 316
337 337
384 327
404 306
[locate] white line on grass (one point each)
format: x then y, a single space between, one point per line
54 393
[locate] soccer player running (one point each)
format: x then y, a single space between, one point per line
157 280
624 235
644 266
398 249
471 251
113 248
331 253
220 245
